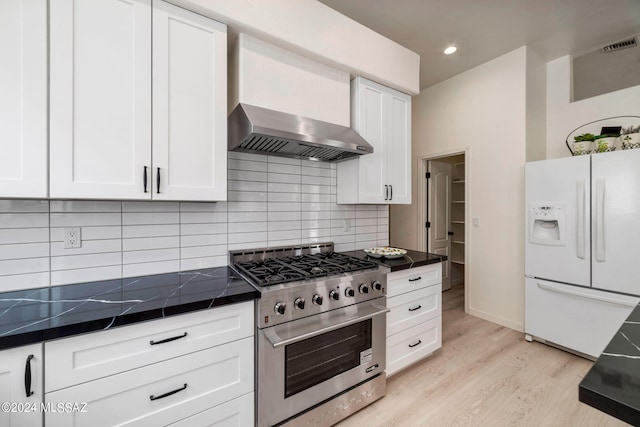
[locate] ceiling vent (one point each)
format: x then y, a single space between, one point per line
624 44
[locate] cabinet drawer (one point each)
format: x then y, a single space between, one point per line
411 345
400 282
83 358
200 380
413 308
235 413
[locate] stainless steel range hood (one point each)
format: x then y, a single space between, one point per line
259 130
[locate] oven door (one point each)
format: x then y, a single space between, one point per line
306 361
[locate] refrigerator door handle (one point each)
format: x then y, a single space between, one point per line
564 290
600 251
580 220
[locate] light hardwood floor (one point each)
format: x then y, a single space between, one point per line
485 375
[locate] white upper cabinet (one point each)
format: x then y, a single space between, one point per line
101 80
23 98
189 105
382 116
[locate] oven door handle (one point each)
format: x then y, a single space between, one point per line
281 335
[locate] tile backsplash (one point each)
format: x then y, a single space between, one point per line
272 201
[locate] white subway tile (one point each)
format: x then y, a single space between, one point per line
340 231
283 160
383 221
284 197
383 228
283 178
316 189
247 186
285 216
246 227
284 225
85 219
283 187
196 229
246 156
139 244
24 281
85 206
246 217
148 218
315 164
134 231
343 215
88 247
316 223
150 206
247 238
203 251
315 207
24 235
367 237
317 233
317 172
286 169
316 198
247 245
203 217
366 244
66 277
200 263
203 207
247 207
343 247
366 214
24 250
24 266
383 236
247 165
90 233
203 240
133 257
315 215
383 242
246 196
85 261
286 242
316 180
144 269
24 206
365 222
241 175
284 206
24 220
342 208
366 229
360 208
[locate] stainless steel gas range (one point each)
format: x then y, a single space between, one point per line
321 327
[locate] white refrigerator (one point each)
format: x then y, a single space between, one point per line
582 248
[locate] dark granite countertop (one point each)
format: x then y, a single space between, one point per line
613 383
410 260
35 315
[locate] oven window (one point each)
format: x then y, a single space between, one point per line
314 360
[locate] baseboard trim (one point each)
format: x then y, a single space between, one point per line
497 319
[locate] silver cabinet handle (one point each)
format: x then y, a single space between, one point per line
580 219
552 288
600 249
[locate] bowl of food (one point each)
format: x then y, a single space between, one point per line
385 252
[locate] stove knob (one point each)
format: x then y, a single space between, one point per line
364 289
317 299
376 285
299 303
280 307
349 292
334 295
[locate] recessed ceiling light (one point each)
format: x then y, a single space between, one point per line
450 50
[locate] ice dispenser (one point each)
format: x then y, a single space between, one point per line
546 224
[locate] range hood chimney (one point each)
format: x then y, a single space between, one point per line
258 130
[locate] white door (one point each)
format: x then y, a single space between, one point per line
189 105
370 122
21 374
398 148
23 98
439 216
561 184
616 221
100 98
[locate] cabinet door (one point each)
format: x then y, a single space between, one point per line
370 121
615 233
23 99
398 147
189 105
100 98
15 365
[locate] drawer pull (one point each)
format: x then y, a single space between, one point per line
415 308
413 345
416 279
152 342
27 376
184 387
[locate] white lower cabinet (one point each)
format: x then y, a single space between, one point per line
414 324
194 369
21 386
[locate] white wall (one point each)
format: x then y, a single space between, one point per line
563 116
272 201
314 30
483 110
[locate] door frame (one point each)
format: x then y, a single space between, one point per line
422 167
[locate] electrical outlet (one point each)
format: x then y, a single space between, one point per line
476 222
347 225
72 238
